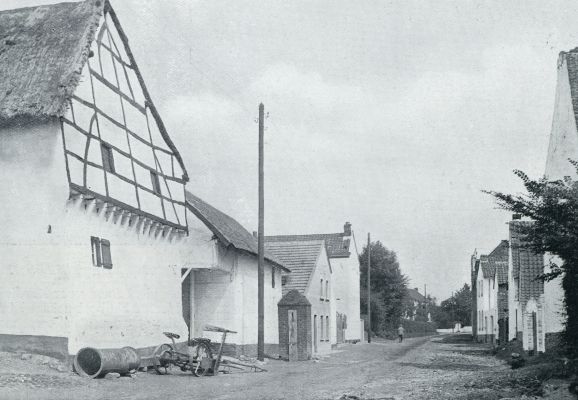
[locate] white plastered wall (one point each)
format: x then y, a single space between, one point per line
33 288
564 135
321 303
228 298
346 285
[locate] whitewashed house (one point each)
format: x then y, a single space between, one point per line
487 320
96 243
492 295
344 264
563 146
224 293
312 277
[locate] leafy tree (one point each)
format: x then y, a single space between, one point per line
553 206
388 287
457 308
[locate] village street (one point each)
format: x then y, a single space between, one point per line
439 367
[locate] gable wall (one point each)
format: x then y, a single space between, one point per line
346 278
564 135
109 108
321 304
33 195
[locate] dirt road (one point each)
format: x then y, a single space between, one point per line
420 368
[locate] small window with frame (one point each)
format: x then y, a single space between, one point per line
155 182
107 158
96 255
101 256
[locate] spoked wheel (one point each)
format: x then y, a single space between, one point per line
202 360
162 359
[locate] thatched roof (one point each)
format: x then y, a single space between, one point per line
42 52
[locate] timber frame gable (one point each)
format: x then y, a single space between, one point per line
117 150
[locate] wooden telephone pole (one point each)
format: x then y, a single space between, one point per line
368 288
261 244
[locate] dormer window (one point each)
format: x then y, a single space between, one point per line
155 182
107 158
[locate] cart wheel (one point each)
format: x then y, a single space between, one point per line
162 357
203 360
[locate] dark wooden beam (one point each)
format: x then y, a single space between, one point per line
109 200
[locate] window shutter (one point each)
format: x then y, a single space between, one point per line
272 277
106 257
95 244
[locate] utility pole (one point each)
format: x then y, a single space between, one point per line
368 288
261 244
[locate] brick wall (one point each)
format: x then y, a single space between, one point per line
304 337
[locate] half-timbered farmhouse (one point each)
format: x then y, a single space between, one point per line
97 246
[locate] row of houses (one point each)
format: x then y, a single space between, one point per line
508 301
102 242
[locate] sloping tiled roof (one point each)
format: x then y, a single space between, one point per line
335 244
572 63
526 264
415 295
300 257
487 270
226 229
498 261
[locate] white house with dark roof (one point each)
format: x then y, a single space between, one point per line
562 147
311 276
344 264
492 294
99 246
225 293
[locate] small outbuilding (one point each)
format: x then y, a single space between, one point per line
295 327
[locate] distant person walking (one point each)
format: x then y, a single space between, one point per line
400 332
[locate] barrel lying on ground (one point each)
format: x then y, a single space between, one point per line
94 363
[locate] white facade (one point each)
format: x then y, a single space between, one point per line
487 305
51 286
320 295
103 176
227 297
346 287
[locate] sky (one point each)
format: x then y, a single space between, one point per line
392 115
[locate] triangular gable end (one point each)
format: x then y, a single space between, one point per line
116 145
564 135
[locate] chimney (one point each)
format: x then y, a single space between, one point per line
516 217
347 229
255 235
416 289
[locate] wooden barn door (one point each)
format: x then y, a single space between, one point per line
293 351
